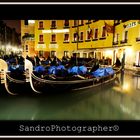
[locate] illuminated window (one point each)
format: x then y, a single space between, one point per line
81 36
75 37
103 31
96 34
138 58
125 35
53 38
25 22
41 53
53 24
41 38
84 55
53 53
66 23
66 53
81 22
116 39
41 24
66 37
88 35
75 22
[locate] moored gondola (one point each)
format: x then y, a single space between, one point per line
18 82
51 83
13 81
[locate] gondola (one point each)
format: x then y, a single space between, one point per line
12 83
59 84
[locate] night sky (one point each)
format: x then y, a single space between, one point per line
13 24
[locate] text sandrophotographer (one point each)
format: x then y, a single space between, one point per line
93 129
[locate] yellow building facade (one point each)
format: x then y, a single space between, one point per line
127 42
85 38
66 43
28 37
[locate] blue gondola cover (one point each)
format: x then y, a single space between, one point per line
82 70
14 68
61 71
103 72
52 70
109 70
73 70
47 62
60 67
39 69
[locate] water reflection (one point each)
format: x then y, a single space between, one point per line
119 101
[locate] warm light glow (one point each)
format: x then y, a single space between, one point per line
126 86
31 21
56 31
108 53
129 50
46 31
61 31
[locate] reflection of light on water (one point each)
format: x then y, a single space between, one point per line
125 86
128 111
33 116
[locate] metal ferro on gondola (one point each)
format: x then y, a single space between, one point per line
4 70
29 71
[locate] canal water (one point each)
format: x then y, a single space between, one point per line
119 101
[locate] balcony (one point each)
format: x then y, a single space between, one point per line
53 42
137 39
53 27
28 37
66 41
80 41
87 40
95 39
82 24
123 41
74 41
116 43
66 26
89 22
102 38
41 42
74 26
40 28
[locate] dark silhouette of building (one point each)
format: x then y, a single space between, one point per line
8 36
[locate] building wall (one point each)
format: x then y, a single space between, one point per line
108 46
9 40
28 43
60 46
100 42
132 46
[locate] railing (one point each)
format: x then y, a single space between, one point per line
28 37
137 39
115 43
123 41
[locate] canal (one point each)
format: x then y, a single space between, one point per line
119 101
